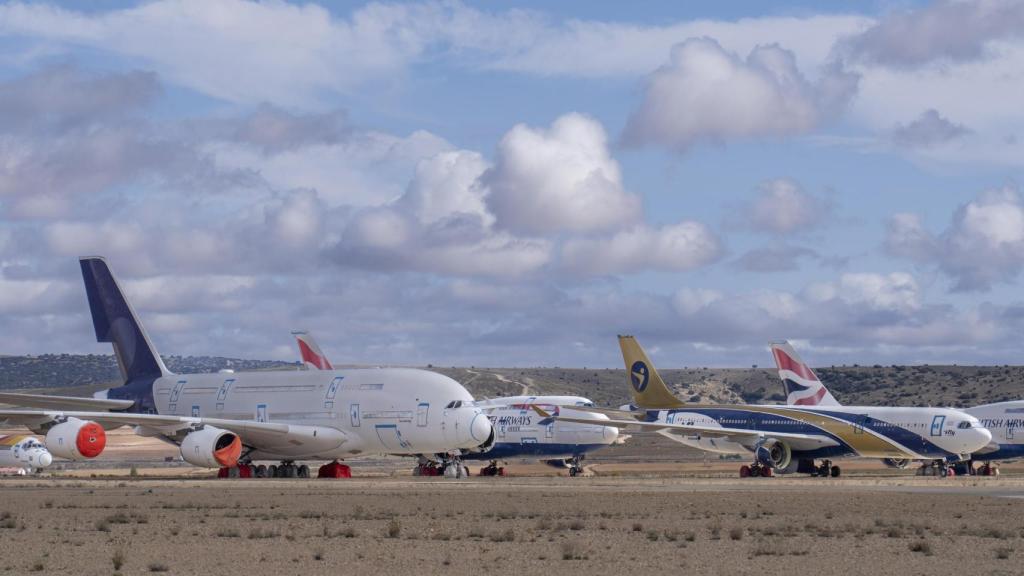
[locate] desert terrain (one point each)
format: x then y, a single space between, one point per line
596 525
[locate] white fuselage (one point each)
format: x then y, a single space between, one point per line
860 431
375 411
521 432
24 452
1005 420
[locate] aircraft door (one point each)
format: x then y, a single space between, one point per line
549 431
175 393
858 424
261 412
937 424
422 412
353 412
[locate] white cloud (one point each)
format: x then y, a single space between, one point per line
559 179
708 94
894 291
783 207
447 185
600 49
950 31
675 247
983 245
929 129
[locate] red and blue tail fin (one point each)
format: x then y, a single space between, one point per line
312 356
115 321
803 388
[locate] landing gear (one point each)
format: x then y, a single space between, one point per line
447 465
939 468
826 470
756 470
988 469
576 465
492 469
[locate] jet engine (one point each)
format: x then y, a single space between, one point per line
775 454
211 447
76 439
900 463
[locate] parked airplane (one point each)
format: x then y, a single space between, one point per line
1001 419
24 454
1005 420
231 420
519 432
784 439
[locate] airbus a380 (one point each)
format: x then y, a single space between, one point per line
232 420
784 439
1001 419
520 433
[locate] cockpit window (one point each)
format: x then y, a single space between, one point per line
964 425
587 404
454 404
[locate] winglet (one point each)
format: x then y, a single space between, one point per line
649 390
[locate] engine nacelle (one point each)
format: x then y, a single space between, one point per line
900 463
76 439
211 447
775 454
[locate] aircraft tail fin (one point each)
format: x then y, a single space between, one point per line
649 390
312 356
803 388
115 321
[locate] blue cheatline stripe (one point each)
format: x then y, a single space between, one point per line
744 418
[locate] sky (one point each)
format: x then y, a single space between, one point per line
513 184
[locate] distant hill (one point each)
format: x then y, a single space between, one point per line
865 385
74 370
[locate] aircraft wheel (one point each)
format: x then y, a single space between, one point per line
303 471
835 471
744 471
572 471
233 472
260 471
767 472
273 471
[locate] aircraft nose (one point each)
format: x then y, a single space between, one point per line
45 459
984 436
480 427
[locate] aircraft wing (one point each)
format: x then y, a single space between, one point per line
263 436
609 412
62 402
740 435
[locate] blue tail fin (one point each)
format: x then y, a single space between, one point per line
115 322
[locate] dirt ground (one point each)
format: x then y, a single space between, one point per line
594 525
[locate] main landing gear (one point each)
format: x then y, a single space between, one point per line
756 470
286 469
939 468
576 466
446 465
492 469
826 470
